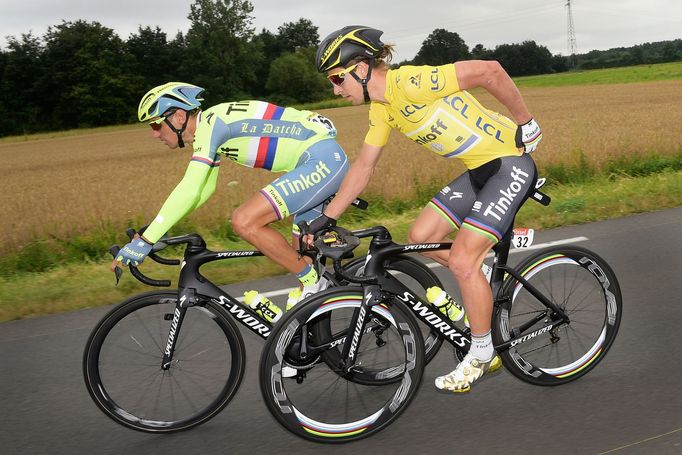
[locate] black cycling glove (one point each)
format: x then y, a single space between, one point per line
321 223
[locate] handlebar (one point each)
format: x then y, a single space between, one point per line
339 243
164 242
303 249
158 246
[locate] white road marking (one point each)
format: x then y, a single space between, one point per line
547 244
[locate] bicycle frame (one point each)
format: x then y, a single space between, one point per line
191 285
375 281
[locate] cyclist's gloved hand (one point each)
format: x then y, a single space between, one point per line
134 252
528 136
321 223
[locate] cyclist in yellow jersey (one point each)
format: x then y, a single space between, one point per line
255 134
430 105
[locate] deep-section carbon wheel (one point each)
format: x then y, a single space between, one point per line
323 401
123 357
545 351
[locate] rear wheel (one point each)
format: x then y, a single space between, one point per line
544 350
327 401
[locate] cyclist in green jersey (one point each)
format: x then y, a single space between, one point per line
430 105
254 134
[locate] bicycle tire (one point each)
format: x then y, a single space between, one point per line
586 288
423 277
323 404
123 356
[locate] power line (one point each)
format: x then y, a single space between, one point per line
600 11
474 23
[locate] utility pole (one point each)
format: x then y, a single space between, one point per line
572 46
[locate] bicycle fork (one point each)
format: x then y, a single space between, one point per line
371 297
186 300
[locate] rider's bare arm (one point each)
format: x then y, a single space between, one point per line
355 181
492 77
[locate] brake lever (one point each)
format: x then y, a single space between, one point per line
158 246
118 273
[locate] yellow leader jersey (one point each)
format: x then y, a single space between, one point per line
426 104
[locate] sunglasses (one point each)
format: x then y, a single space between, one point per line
158 123
338 77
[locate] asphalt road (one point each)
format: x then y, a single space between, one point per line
630 404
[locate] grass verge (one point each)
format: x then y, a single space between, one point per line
89 283
620 75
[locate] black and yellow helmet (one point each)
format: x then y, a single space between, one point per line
346 44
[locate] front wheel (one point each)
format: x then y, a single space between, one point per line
323 401
418 278
544 350
122 364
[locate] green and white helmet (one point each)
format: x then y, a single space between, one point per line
173 95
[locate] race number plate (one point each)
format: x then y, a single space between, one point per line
523 237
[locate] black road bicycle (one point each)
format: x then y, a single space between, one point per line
169 360
360 351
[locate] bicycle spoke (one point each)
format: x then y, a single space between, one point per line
139 392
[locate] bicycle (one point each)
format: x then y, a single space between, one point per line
555 317
165 361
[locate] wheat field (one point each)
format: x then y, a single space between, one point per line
74 185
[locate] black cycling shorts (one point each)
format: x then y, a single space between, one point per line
486 199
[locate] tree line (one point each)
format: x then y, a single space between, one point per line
82 74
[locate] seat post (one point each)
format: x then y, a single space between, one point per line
501 250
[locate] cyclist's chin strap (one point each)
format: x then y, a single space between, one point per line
364 81
179 132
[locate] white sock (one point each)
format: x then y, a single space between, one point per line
482 347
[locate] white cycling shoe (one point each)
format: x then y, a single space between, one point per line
298 294
468 371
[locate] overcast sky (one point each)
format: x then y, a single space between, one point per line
599 24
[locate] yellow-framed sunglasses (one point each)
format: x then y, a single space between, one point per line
156 124
338 77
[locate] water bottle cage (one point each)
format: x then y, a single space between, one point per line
445 307
448 307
